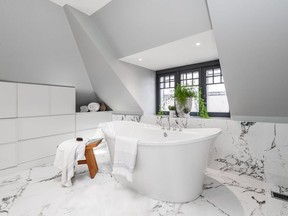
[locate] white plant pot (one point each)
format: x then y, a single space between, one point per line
180 108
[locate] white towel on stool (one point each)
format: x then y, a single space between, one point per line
68 152
125 156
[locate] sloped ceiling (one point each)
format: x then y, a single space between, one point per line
191 50
132 26
251 38
104 69
37 46
85 6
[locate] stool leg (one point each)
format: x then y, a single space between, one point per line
91 162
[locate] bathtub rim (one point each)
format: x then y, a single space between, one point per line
205 137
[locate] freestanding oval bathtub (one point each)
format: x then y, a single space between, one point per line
170 164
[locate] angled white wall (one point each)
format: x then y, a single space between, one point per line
37 46
252 43
132 26
124 87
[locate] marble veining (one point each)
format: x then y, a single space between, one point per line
38 191
124 117
255 149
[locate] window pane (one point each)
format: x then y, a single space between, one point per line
161 79
189 82
196 82
166 98
189 75
209 80
166 78
183 76
216 98
161 85
167 85
172 78
183 83
209 73
195 75
222 79
217 72
217 79
172 84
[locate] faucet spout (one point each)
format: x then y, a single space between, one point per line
168 120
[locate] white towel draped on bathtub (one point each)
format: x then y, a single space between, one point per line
125 156
67 154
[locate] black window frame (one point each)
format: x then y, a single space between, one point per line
201 67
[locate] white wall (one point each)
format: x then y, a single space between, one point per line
132 26
37 46
124 87
252 43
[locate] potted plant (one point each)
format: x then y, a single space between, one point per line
183 96
172 111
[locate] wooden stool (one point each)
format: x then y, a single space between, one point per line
90 158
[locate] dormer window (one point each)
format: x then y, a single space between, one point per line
207 76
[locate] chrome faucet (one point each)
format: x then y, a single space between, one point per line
180 129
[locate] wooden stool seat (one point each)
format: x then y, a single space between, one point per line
90 158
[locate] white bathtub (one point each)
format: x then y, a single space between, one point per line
167 168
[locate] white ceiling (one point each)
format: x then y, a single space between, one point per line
86 6
177 53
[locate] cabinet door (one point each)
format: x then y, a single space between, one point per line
8 98
33 100
62 100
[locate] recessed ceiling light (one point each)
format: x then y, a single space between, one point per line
140 59
198 44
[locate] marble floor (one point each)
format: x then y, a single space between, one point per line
38 191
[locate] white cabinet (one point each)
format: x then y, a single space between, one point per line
45 126
34 149
34 120
8 130
85 121
8 98
62 100
33 100
90 134
8 155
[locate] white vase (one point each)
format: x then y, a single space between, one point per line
180 108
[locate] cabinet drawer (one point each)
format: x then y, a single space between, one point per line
33 100
62 100
85 121
34 149
45 126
